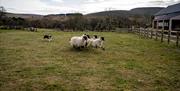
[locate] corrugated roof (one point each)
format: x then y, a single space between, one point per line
163 17
169 9
166 16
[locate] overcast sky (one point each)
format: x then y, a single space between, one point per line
82 6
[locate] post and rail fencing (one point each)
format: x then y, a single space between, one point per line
157 34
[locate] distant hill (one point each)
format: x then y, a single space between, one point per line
138 15
105 20
125 13
25 16
122 13
37 17
148 11
61 17
68 14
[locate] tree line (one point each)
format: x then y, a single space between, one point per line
75 22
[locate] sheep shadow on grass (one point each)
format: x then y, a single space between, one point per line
85 50
79 49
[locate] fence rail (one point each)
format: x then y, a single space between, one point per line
162 35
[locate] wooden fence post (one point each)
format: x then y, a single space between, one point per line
147 33
162 35
177 40
144 33
139 32
151 33
169 36
156 35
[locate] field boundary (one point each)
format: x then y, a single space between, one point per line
158 34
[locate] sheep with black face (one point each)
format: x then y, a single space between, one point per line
98 43
89 40
78 42
95 36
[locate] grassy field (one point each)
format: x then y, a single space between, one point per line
129 63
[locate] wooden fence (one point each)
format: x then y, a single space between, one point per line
162 35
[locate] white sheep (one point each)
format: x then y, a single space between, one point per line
78 42
89 40
98 43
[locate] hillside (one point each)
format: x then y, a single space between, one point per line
146 11
25 16
143 16
61 17
124 13
119 18
38 17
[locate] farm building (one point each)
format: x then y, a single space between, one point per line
168 18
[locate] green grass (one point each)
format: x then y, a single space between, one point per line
29 63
